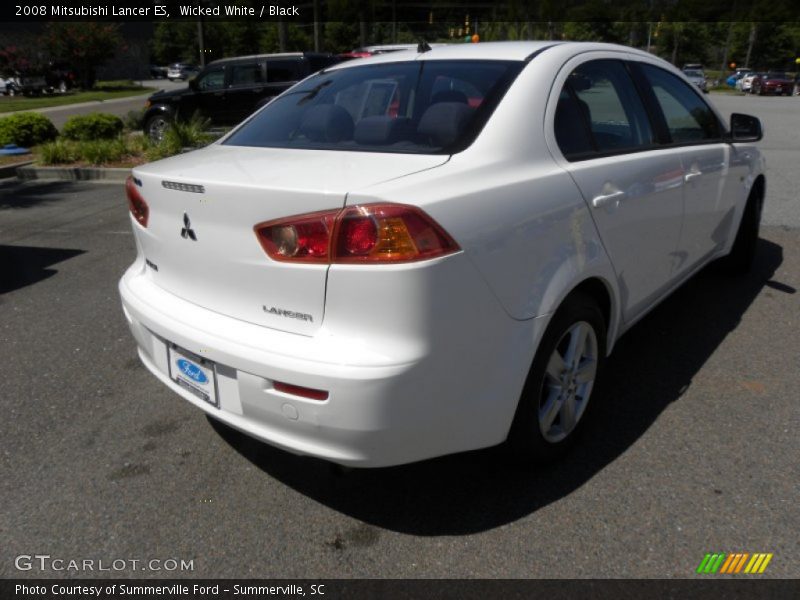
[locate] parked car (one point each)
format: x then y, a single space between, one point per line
182 71
371 271
697 77
774 82
745 84
228 90
9 86
60 77
157 72
737 75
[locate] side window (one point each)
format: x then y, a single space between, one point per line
688 117
211 80
599 111
246 75
572 134
282 71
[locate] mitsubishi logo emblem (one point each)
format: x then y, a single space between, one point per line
187 230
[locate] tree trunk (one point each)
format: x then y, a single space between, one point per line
282 35
750 43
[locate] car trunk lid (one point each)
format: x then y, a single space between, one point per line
199 242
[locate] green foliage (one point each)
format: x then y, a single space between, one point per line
85 46
57 152
98 152
134 120
93 126
177 41
26 129
180 135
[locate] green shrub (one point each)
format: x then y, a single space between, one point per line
98 152
188 134
134 120
57 152
26 129
94 126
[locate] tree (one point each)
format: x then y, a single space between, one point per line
85 46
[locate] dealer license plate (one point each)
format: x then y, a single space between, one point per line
193 373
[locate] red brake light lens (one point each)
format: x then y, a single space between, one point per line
136 203
305 238
368 233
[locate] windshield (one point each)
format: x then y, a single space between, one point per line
421 107
692 73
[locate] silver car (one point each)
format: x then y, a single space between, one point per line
697 77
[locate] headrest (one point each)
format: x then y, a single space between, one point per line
444 122
327 123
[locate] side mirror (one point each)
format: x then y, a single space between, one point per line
193 84
745 128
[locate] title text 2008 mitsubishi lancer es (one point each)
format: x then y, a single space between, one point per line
429 252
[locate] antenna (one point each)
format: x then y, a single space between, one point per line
423 46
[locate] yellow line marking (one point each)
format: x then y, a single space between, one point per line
765 563
752 563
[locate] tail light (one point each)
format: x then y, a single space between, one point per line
136 203
368 233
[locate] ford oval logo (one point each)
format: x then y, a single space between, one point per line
192 371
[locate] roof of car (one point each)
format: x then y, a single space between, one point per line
261 56
487 51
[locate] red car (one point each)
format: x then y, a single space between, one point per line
774 82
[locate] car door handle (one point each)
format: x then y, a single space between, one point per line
605 199
692 175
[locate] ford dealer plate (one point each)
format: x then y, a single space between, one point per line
193 373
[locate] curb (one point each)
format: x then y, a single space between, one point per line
28 173
11 170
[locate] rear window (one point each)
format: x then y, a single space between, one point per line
421 107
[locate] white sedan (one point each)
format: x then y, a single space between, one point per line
434 251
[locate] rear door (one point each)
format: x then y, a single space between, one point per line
246 85
632 186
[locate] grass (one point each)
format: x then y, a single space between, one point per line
104 90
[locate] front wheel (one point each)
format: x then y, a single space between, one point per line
554 402
156 126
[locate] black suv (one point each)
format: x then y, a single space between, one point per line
228 90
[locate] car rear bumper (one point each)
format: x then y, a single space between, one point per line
382 410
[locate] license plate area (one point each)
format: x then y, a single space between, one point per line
193 373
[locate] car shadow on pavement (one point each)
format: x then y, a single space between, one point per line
15 194
25 265
651 367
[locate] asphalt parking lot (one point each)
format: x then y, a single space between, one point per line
694 449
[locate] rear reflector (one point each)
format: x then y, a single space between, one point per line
297 390
136 203
367 233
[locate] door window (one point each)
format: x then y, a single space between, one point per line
599 98
211 80
246 75
688 117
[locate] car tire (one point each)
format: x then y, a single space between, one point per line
555 401
11 91
156 126
743 253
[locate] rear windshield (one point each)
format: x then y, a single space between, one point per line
420 107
